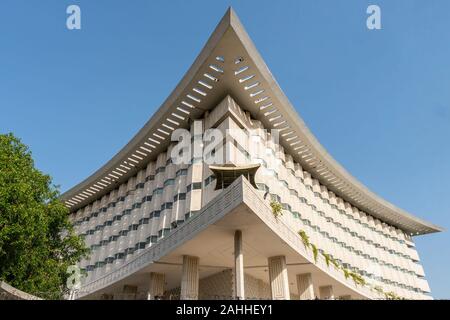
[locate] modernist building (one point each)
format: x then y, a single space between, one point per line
196 230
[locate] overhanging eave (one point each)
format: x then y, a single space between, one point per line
230 64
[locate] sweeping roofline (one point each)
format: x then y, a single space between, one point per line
153 138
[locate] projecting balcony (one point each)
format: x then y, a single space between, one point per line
209 236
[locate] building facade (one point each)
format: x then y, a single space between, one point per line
255 208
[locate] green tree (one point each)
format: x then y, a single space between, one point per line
305 238
37 240
277 209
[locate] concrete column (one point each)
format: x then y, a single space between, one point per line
326 293
156 285
238 266
279 283
305 286
189 278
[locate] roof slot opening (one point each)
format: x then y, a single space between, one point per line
238 60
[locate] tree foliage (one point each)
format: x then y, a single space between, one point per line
277 209
37 240
305 238
357 278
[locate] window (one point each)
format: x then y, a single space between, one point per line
275 197
140 186
160 169
167 205
179 196
208 180
196 185
169 182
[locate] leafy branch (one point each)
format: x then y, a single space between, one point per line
327 258
357 278
305 238
315 252
277 209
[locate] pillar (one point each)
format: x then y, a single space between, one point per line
238 266
189 278
156 285
305 286
278 276
326 293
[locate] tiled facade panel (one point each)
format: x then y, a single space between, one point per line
217 286
256 288
220 286
163 195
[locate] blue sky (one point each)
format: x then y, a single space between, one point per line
379 101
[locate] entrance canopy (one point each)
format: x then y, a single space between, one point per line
225 175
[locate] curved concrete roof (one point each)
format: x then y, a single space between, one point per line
229 64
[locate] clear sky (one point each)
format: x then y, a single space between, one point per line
378 100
